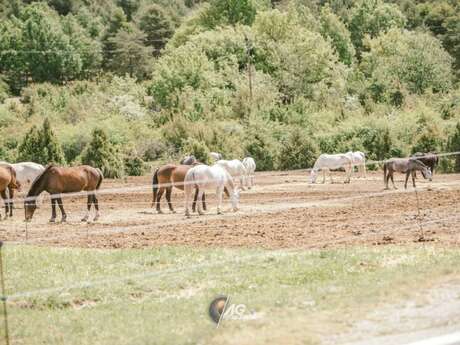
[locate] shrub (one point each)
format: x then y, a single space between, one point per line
197 148
298 151
134 166
103 154
41 146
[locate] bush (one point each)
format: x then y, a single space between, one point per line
298 151
41 146
197 148
103 154
134 166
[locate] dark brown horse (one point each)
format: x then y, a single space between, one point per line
430 159
167 177
404 165
8 182
56 180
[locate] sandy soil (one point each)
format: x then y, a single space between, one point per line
282 211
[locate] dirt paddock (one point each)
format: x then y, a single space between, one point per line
282 211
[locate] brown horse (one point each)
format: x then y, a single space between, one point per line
167 177
8 182
56 180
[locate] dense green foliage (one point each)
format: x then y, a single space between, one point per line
103 154
280 80
41 146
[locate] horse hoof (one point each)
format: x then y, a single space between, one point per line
63 220
52 220
159 211
173 211
84 219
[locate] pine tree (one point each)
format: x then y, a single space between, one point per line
103 154
157 26
41 146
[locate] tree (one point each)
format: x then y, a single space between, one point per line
130 55
129 7
402 60
41 146
41 46
228 12
372 17
302 62
298 151
103 154
336 31
157 26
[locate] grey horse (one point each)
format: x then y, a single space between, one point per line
404 165
189 160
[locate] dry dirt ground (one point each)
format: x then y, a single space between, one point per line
282 211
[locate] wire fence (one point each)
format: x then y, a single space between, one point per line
148 188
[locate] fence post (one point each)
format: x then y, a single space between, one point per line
2 282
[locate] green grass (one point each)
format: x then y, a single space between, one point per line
296 294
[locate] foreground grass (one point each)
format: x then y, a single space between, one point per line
161 295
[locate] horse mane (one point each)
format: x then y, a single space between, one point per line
38 179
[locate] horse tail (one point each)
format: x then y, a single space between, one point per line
101 177
155 185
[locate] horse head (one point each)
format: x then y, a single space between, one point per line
426 172
30 205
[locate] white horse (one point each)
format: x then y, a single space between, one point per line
236 169
327 162
358 159
250 165
204 177
26 172
215 156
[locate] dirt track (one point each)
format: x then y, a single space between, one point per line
282 211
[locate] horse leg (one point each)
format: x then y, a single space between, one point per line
194 200
391 175
219 193
61 207
159 195
88 204
53 210
10 199
188 192
96 206
203 200
242 182
168 199
4 197
199 197
407 178
413 178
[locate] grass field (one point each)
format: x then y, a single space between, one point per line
161 295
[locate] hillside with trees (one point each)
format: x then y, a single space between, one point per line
119 83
